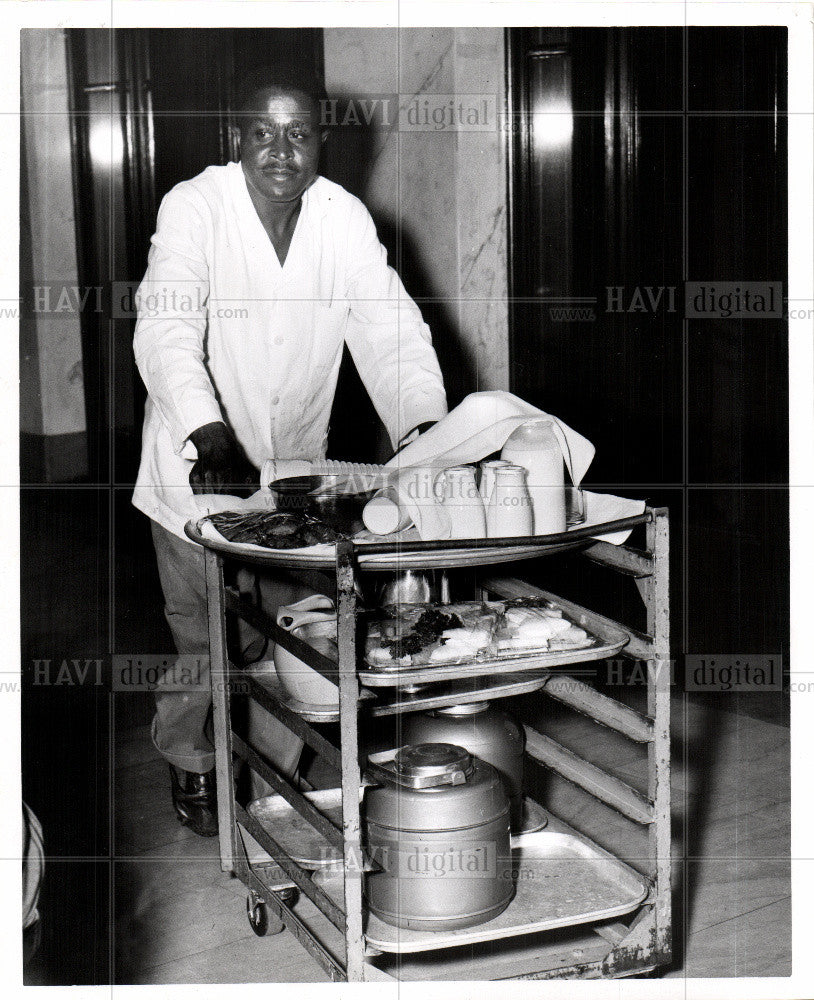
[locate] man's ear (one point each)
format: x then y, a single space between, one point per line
325 133
234 137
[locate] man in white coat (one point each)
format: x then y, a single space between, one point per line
259 272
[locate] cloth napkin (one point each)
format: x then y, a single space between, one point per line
480 425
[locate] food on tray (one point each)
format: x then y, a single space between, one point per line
273 529
409 632
416 635
461 644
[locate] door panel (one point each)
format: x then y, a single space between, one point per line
676 168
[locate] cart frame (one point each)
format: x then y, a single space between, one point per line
625 949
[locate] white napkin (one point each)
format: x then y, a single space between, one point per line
218 503
482 424
603 507
419 492
477 427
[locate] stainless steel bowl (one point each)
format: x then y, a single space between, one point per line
408 587
324 497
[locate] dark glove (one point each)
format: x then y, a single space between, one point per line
408 439
222 466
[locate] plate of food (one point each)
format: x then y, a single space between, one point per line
485 636
278 529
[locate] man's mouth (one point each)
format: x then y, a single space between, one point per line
279 171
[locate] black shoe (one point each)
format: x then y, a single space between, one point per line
195 801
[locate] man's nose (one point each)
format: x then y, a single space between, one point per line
281 147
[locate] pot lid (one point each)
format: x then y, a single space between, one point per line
434 763
470 708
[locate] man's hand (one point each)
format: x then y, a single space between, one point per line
221 466
413 435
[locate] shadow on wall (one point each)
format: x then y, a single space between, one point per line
349 158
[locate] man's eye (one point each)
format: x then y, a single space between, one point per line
298 135
261 133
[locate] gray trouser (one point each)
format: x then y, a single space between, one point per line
181 724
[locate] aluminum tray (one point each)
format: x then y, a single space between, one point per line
561 880
421 700
608 640
293 833
408 552
306 846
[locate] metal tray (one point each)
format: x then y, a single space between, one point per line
561 880
292 832
421 700
609 639
306 710
423 697
324 556
306 846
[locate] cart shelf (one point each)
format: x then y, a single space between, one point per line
562 880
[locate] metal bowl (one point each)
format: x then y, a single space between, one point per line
324 497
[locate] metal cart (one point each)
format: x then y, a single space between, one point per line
638 943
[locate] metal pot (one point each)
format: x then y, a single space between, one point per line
407 587
487 732
438 828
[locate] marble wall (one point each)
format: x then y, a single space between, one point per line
435 186
51 382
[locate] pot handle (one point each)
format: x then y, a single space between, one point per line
376 772
314 608
382 767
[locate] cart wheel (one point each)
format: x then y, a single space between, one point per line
260 921
258 914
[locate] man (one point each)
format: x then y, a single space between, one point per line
297 258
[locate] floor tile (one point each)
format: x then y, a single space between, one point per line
248 959
757 943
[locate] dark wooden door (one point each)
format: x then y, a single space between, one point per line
643 158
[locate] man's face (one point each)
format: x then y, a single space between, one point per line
280 143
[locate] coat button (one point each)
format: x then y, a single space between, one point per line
275 401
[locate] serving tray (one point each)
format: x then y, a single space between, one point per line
561 880
307 846
608 639
607 517
412 556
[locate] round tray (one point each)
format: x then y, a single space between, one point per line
413 555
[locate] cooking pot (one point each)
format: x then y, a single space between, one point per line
437 827
485 731
313 620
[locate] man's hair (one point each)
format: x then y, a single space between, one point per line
268 77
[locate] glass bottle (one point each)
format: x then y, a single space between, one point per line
463 503
487 478
535 446
510 511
